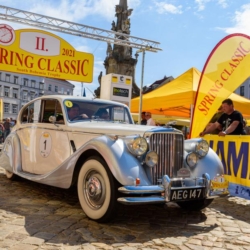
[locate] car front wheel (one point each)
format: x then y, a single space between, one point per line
97 190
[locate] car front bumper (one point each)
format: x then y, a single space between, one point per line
174 190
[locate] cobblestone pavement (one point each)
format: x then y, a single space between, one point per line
35 216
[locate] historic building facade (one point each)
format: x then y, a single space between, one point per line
18 89
244 89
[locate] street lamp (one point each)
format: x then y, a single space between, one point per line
142 77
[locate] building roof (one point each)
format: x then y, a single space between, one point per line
157 84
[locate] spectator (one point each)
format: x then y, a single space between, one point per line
214 119
143 119
245 127
1 133
150 121
31 115
7 126
231 121
12 123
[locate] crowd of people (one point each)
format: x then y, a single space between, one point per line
5 128
226 121
146 119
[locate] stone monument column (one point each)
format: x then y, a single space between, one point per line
119 58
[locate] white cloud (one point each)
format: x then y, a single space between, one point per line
163 8
75 10
71 10
241 20
201 4
223 3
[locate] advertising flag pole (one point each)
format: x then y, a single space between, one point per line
142 76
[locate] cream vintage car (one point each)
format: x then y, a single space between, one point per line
110 159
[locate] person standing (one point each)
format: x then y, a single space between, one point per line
1 133
231 121
143 119
6 126
150 121
12 123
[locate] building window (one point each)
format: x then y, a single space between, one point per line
25 95
33 95
50 87
6 91
14 109
25 82
41 85
242 90
15 93
16 79
33 84
6 107
62 89
7 78
56 88
68 93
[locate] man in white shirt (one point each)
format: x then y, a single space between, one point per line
150 121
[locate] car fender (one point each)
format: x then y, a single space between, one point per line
10 157
124 166
210 164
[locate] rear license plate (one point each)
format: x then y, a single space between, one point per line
187 194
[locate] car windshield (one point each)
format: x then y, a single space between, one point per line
78 110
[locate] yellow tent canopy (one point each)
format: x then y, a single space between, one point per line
162 119
177 97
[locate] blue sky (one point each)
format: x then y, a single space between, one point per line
187 30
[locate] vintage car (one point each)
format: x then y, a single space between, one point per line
64 141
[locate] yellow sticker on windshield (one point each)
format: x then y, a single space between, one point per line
68 104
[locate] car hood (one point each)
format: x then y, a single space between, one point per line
116 128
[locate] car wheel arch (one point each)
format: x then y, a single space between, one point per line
83 157
14 153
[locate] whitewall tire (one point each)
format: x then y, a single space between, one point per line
97 190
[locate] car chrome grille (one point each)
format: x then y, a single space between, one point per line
169 148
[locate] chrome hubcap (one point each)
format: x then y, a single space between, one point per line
94 190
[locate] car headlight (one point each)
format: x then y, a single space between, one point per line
202 148
192 159
137 146
151 158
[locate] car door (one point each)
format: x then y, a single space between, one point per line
44 145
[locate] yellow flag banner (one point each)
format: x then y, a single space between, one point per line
226 68
234 152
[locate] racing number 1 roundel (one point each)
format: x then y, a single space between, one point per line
45 144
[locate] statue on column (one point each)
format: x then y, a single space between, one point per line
119 58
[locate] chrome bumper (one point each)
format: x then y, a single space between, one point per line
161 193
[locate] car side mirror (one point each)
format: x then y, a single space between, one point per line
52 119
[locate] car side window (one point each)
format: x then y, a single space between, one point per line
24 117
31 113
52 107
